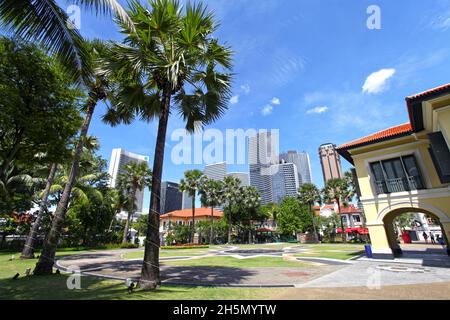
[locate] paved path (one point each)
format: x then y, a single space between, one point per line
316 273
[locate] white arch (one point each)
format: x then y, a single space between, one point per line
413 204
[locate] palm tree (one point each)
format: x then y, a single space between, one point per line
338 190
170 64
28 249
135 176
308 194
192 182
46 22
211 192
231 194
251 200
97 92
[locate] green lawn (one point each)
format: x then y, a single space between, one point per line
230 262
169 253
54 287
330 254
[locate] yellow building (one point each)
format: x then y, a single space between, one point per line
405 169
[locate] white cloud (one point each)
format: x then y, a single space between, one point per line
245 88
377 81
318 110
275 101
234 99
441 21
267 110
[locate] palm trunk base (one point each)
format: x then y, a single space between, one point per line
25 256
43 269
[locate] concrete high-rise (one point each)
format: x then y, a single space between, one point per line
330 161
186 201
217 171
242 176
285 181
171 197
302 162
262 154
119 158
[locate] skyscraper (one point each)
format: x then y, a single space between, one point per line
186 201
302 162
171 197
242 176
330 161
119 158
285 181
262 153
216 171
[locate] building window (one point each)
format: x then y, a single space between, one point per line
357 218
397 175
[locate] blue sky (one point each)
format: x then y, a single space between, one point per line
332 78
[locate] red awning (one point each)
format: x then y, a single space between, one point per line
351 230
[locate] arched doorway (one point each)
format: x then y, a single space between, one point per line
419 238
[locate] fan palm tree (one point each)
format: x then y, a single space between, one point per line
134 176
170 64
231 194
48 23
338 190
191 184
308 194
211 192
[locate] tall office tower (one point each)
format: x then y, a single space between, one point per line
171 197
285 181
301 160
216 171
186 202
330 161
119 158
242 176
262 153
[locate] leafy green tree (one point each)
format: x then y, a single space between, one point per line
211 193
46 22
135 176
293 217
38 118
192 182
180 234
172 63
308 194
340 191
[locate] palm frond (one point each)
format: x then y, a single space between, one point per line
45 22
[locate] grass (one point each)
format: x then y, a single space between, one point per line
330 254
230 262
163 254
54 287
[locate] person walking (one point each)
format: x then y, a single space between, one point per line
432 238
425 236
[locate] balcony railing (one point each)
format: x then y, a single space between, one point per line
398 185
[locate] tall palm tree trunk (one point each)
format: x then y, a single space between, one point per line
28 249
193 220
150 278
211 231
311 210
45 264
344 234
130 212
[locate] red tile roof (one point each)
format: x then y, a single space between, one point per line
429 92
187 213
386 134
